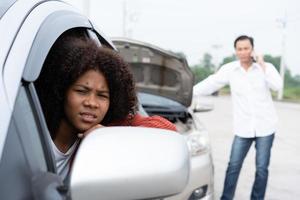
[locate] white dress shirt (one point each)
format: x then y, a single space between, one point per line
253 110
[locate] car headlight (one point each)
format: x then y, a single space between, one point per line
197 143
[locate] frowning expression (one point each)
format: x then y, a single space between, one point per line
87 101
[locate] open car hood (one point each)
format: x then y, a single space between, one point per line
157 71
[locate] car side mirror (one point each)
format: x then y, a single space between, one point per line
119 163
201 105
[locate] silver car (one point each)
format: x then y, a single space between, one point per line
113 163
165 81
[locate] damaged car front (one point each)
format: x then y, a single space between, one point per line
164 83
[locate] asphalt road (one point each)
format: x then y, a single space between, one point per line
284 171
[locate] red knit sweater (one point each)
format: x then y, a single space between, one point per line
153 121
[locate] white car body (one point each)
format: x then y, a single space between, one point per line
165 82
28 29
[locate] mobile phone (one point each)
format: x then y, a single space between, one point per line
253 57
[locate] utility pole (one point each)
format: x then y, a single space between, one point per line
283 23
130 18
124 18
217 47
86 8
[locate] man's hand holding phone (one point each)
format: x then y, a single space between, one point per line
259 58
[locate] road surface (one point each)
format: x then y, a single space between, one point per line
284 171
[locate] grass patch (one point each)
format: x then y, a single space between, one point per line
292 94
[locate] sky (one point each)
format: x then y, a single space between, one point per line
195 27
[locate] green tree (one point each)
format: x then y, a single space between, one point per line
204 68
179 53
201 72
292 83
289 79
228 59
274 60
206 61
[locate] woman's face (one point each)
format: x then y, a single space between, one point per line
87 101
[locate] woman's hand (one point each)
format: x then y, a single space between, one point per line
82 135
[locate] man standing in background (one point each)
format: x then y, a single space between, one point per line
254 117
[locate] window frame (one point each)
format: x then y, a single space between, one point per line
41 46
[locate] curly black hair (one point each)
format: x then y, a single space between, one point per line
69 58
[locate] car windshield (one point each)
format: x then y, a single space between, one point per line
154 100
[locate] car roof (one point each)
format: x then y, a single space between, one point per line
13 16
5 5
21 24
